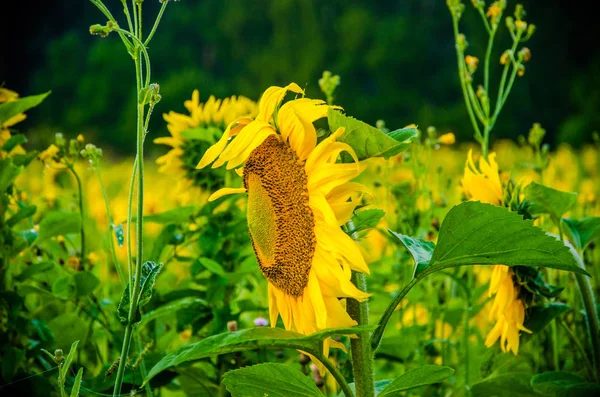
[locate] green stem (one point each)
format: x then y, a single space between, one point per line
587 296
142 47
113 251
581 351
488 54
107 14
362 353
147 387
476 105
461 73
123 360
158 18
80 191
467 333
127 15
129 217
335 372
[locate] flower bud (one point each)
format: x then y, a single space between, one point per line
530 30
520 12
472 63
447 139
380 124
261 322
536 134
524 54
232 326
521 26
461 42
505 57
510 23
479 4
521 71
80 138
59 355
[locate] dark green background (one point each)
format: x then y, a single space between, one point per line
396 61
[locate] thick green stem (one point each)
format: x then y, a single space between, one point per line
362 354
587 296
123 360
80 191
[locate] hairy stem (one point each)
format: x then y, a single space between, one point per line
80 193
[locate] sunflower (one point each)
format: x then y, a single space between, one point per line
508 311
193 133
299 196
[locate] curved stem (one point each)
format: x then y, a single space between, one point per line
158 18
333 370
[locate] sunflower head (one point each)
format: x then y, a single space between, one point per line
299 196
193 133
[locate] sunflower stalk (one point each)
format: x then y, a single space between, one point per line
146 94
362 352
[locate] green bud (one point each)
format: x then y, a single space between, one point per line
520 12
510 24
530 31
461 42
59 139
58 355
380 124
536 135
431 132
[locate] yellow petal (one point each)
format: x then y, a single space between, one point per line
272 97
225 191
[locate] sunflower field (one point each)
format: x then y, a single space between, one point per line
276 245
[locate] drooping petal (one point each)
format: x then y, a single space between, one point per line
213 152
225 191
271 98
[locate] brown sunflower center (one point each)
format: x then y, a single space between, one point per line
280 220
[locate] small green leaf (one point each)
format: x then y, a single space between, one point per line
77 383
8 173
13 141
270 379
403 134
64 287
366 219
540 199
64 371
249 339
24 159
11 109
420 250
211 266
85 283
149 272
119 234
176 215
367 141
59 223
22 213
583 231
539 317
420 376
475 233
563 384
173 307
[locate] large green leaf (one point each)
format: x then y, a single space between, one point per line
563 384
59 223
475 233
420 249
270 379
12 108
420 376
540 199
368 141
583 231
248 339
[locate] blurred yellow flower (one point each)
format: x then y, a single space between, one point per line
482 183
447 139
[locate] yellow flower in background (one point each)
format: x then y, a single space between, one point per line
482 183
508 310
447 139
298 199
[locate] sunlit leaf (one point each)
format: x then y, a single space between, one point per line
367 141
540 199
12 108
420 376
271 379
13 141
366 219
420 250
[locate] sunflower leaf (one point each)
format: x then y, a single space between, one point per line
474 233
539 317
367 141
420 376
540 199
12 108
583 231
249 339
563 384
274 380
420 250
366 219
